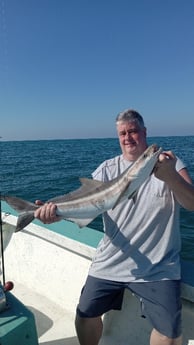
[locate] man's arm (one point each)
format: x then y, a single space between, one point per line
180 182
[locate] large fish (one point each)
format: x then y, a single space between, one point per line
93 197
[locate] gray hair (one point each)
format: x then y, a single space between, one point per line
130 115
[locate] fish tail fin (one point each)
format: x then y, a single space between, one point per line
23 220
24 208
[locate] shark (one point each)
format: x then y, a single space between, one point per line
93 197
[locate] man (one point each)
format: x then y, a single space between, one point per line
141 246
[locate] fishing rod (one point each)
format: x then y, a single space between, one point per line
1 240
1 243
5 286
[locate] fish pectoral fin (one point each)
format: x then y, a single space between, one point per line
121 195
80 222
133 196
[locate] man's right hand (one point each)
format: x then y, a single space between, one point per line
46 213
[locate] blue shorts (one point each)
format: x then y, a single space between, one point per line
160 301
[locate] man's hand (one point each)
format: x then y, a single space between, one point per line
165 167
46 213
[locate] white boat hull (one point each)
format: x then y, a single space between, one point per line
49 270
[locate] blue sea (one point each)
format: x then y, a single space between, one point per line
47 168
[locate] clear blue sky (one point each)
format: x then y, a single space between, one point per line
67 67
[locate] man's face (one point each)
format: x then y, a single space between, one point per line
132 139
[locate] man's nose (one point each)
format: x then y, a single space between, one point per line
128 135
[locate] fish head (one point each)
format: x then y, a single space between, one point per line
147 160
152 151
137 173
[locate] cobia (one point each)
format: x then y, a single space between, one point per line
93 197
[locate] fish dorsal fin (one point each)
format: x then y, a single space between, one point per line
87 185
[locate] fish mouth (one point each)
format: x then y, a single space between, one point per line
155 148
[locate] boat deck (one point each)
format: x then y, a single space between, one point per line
54 325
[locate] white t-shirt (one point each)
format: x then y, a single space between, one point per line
142 238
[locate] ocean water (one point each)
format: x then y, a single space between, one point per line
48 168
